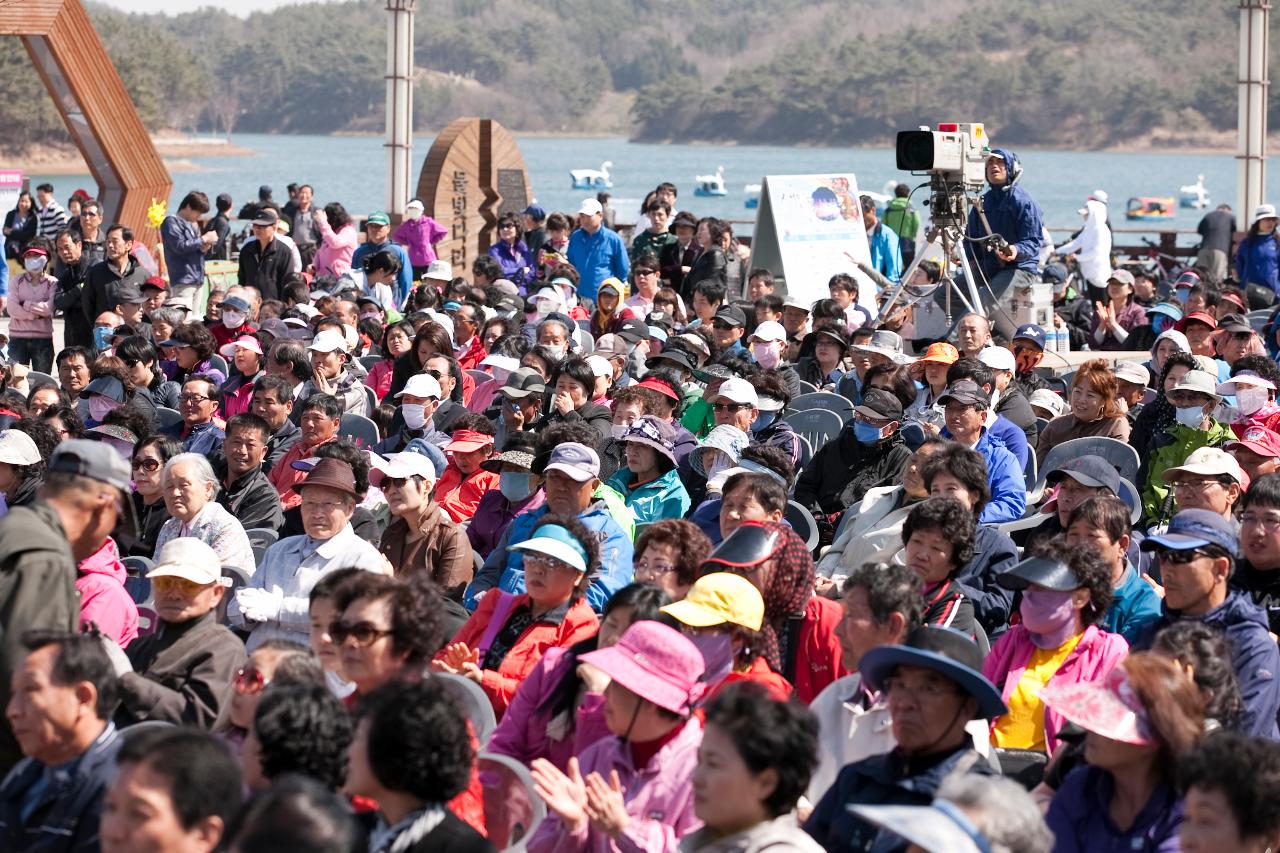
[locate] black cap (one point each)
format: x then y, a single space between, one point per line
836 334
523 382
1092 471
1040 571
751 544
678 357
662 320
266 216
684 217
731 315
633 331
880 405
967 392
1234 323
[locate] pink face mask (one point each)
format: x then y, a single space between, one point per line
1048 616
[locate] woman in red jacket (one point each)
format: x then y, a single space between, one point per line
508 634
799 626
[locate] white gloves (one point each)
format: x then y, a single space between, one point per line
259 605
119 660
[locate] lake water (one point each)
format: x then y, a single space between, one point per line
353 169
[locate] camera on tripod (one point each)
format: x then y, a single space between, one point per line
957 153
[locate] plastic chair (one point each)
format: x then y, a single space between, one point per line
1057 385
217 362
35 379
370 361
806 453
818 426
1067 378
802 522
512 808
842 406
1121 456
1029 475
239 579
474 703
360 428
144 727
1132 497
1257 319
260 539
1041 423
136 582
807 388
980 637
370 399
167 419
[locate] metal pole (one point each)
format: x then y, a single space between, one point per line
399 142
1251 150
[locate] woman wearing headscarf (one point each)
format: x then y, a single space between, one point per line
799 627
611 309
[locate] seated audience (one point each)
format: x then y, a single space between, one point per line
421 539
190 487
245 491
937 539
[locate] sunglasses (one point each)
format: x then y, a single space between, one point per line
1180 558
249 681
148 465
729 407
364 633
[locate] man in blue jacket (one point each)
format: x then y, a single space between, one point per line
965 407
1015 216
377 238
596 252
886 252
571 476
1197 556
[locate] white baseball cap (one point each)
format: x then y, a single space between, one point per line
1208 462
414 205
735 389
997 358
17 448
599 365
439 270
422 385
329 340
1132 371
190 559
502 362
590 207
407 465
769 330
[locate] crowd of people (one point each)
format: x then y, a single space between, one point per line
303 565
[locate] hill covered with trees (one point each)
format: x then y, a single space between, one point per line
1078 73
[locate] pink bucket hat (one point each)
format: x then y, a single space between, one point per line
1109 708
656 663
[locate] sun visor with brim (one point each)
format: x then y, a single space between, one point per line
1040 571
549 543
944 651
936 828
749 545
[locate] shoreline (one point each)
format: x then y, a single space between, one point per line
66 160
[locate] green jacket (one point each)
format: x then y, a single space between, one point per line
646 242
901 218
1155 494
698 418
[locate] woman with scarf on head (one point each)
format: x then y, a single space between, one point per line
799 627
610 308
1254 380
1148 430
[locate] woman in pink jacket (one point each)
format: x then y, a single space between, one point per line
338 240
558 710
632 792
1065 593
103 599
31 309
419 234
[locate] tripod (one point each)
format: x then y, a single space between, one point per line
951 239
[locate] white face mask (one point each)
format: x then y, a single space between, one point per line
1250 399
232 319
619 430
35 263
414 414
1191 416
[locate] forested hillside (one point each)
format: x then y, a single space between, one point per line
1076 73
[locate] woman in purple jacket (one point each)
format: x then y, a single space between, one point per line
559 709
511 253
1140 721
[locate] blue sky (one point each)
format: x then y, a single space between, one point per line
235 7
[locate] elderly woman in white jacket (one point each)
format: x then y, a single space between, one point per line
1092 244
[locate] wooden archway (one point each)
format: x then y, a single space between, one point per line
94 104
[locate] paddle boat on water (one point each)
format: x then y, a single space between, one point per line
1150 208
592 179
710 185
751 196
1194 195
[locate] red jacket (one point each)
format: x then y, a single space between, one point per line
817 655
475 353
500 685
459 496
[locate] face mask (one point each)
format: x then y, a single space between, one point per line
515 485
232 319
766 355
544 307
719 461
1159 323
99 406
1250 399
35 264
717 655
1192 416
865 432
764 421
1048 617
101 338
559 352
414 414
618 431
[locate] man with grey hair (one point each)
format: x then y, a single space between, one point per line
190 486
554 334
969 813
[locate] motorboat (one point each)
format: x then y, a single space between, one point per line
1150 208
1194 195
710 185
592 179
751 196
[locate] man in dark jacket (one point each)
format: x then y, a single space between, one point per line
183 672
677 257
265 261
934 686
102 285
40 546
246 492
1259 571
866 454
273 402
69 296
1014 217
1197 557
1028 351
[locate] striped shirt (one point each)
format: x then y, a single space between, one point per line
52 219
